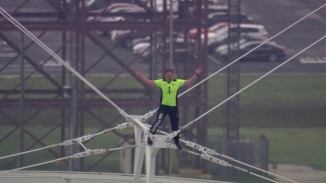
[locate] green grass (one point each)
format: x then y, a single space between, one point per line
288 109
296 100
294 146
276 101
105 141
302 146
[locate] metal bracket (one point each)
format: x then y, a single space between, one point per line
161 142
124 125
123 113
172 146
171 135
148 115
150 135
215 160
200 148
76 140
89 153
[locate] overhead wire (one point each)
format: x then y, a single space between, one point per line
30 35
213 152
23 29
314 43
77 155
224 163
200 82
64 143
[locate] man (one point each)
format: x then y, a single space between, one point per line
169 99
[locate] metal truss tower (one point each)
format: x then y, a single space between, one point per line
69 101
233 80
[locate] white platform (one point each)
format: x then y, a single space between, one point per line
84 177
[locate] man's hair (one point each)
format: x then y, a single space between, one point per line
169 70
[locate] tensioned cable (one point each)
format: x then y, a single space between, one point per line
78 155
224 163
246 54
102 95
29 34
232 159
251 84
11 19
51 146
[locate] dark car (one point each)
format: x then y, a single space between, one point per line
268 52
224 40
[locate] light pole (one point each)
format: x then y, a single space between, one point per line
171 34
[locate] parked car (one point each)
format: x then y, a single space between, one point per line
142 49
127 37
160 5
114 8
6 51
269 51
223 40
217 17
179 45
98 4
253 30
212 8
217 2
213 28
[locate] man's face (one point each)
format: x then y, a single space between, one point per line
169 76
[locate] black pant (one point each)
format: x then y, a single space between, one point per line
162 111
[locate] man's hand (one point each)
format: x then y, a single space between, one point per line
198 70
192 80
137 72
143 78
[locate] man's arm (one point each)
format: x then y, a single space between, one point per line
193 79
144 79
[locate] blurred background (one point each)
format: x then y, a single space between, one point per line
278 124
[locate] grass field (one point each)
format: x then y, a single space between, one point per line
294 146
296 100
288 109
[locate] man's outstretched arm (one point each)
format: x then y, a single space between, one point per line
193 79
144 79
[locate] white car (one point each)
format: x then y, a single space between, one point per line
160 7
6 51
253 30
142 48
114 8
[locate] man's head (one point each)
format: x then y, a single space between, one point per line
169 75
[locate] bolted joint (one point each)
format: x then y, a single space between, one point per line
123 113
89 153
201 148
215 160
172 146
74 141
124 125
148 115
171 135
150 135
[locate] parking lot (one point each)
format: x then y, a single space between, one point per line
295 39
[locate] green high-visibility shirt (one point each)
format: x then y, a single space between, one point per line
169 91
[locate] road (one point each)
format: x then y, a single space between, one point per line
275 15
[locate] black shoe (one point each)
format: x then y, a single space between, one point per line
149 141
178 146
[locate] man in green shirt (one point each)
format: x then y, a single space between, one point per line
168 100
